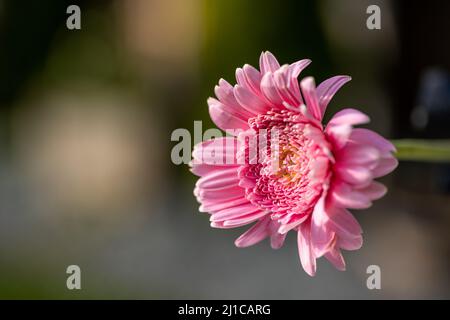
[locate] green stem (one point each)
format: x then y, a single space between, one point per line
422 150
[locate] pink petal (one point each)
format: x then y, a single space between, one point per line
309 94
292 82
247 182
348 117
277 240
369 137
218 179
374 191
339 135
305 249
219 194
328 88
308 116
281 80
224 119
345 196
225 93
235 212
357 175
321 236
385 166
237 222
208 206
255 234
286 83
350 244
268 62
319 169
250 101
358 154
201 169
222 225
218 151
297 67
345 224
315 133
236 110
270 90
215 204
249 78
336 258
285 228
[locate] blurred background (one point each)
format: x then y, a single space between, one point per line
85 123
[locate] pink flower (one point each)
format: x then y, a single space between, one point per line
318 174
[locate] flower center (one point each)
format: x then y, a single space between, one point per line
290 170
283 180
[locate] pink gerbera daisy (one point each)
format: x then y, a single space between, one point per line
306 181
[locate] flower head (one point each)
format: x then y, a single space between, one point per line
282 170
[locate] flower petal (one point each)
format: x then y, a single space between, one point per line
250 101
213 206
358 154
219 194
277 240
224 119
285 228
321 235
374 191
339 135
328 88
270 90
225 93
345 224
297 67
219 178
350 244
369 137
292 82
385 166
255 234
281 81
345 196
309 94
249 78
201 169
336 258
237 222
305 249
218 152
356 175
235 212
268 62
348 116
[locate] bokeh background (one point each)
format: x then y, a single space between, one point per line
85 123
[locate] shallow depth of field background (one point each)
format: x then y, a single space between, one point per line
85 124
